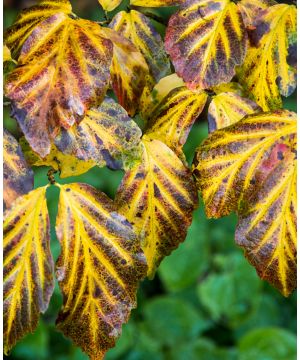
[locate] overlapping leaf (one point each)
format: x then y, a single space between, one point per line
106 136
206 40
139 30
226 164
65 70
270 65
251 9
67 165
98 270
28 266
267 227
17 175
155 3
128 71
29 19
109 5
172 118
228 108
158 196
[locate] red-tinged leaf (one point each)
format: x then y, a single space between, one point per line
226 164
267 227
28 280
139 30
64 70
16 35
17 175
128 71
206 40
99 268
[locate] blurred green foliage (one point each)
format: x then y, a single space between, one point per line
206 302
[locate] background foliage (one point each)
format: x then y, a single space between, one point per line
206 302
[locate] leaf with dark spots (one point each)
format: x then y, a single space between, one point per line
158 195
52 87
250 168
139 30
106 136
128 71
28 279
205 41
103 264
267 71
17 175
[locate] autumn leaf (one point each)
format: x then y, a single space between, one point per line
206 40
251 9
173 117
64 70
228 108
267 227
67 165
128 71
109 5
17 175
270 65
139 30
28 266
158 197
98 270
29 19
155 3
106 136
225 165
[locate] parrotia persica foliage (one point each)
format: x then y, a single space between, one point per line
237 57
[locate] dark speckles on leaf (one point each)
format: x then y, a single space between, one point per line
157 193
280 155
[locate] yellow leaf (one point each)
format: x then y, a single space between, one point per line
270 65
16 35
67 165
155 3
17 175
228 108
106 136
7 55
206 40
173 117
233 87
64 70
128 71
109 5
158 197
267 227
98 270
139 30
226 164
28 266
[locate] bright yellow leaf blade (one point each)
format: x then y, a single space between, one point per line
128 71
109 5
28 279
64 71
139 30
67 165
16 35
106 136
98 270
206 40
228 108
158 197
269 68
173 117
225 165
17 175
155 3
267 227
